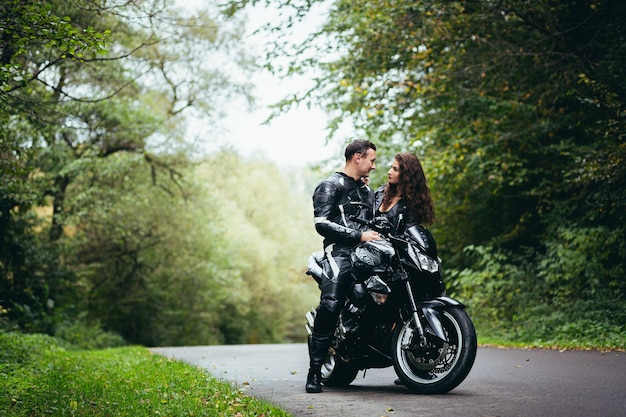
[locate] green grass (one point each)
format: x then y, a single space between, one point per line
41 378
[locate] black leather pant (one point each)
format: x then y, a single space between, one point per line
332 298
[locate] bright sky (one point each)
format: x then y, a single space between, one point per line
294 138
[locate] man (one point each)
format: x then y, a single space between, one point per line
337 200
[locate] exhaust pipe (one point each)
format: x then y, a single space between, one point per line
310 322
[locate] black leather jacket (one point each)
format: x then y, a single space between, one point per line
335 200
397 215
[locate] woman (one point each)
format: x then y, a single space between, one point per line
405 200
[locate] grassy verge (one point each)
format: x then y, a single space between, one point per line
549 333
503 342
39 378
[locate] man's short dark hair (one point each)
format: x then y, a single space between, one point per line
360 146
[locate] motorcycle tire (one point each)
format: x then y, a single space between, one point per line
440 366
336 372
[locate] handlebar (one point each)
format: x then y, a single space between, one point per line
360 220
381 224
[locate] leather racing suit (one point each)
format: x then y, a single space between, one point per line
336 201
395 215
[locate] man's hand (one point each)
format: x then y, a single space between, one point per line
369 235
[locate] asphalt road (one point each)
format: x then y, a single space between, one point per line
503 383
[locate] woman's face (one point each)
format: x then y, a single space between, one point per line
393 175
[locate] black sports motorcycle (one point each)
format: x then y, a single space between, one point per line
396 313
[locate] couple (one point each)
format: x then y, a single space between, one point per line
405 200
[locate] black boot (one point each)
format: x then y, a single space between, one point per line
318 350
314 380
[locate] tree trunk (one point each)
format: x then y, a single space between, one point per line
58 202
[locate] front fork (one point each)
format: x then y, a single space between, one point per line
431 316
408 335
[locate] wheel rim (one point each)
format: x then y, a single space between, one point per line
328 366
433 363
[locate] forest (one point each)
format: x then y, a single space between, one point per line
115 221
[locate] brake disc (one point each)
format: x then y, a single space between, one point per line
426 359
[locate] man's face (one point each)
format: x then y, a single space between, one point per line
367 162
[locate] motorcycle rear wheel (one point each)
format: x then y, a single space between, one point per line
439 367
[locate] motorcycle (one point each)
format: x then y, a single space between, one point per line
397 313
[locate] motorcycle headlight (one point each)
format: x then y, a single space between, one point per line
425 262
378 289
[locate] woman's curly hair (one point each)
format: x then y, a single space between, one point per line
413 189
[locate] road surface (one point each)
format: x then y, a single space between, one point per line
503 383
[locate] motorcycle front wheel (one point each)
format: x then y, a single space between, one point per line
439 366
336 372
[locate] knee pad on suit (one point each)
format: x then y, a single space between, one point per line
327 315
330 304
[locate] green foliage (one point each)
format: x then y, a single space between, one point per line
516 109
270 238
550 302
88 336
18 351
146 269
584 263
80 84
32 27
33 278
45 379
212 267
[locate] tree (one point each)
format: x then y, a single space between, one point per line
224 265
150 265
82 81
268 222
27 29
516 109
